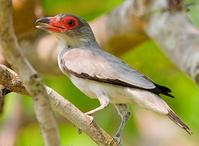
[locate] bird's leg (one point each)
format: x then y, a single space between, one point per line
124 113
104 101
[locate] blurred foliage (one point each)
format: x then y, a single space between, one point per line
88 9
147 58
192 10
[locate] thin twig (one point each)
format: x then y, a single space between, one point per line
30 78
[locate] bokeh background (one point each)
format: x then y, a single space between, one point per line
143 128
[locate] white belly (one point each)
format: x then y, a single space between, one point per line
116 94
119 94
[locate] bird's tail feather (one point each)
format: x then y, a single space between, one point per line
179 122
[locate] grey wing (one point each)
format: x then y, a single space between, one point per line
128 74
101 66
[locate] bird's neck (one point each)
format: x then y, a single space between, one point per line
81 42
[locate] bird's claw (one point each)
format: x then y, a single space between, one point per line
90 118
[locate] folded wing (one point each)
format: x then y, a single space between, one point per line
104 67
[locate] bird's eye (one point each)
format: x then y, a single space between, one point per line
71 23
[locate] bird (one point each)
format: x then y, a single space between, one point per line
101 75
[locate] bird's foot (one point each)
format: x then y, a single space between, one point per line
89 117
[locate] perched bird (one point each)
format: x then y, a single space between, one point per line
101 75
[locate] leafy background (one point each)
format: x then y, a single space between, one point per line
146 57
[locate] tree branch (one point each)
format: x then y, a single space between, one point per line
177 37
120 29
31 80
11 80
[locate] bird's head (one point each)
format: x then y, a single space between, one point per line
69 29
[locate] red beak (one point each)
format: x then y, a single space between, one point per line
49 24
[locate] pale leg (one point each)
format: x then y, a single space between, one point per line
104 101
122 110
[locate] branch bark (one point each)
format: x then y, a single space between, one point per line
11 81
31 80
177 37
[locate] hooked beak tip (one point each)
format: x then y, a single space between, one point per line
43 23
45 20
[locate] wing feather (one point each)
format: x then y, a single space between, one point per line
98 65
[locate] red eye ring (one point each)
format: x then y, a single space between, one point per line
69 23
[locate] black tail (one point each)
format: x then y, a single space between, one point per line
179 122
162 90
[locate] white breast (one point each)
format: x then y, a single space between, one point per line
119 94
116 94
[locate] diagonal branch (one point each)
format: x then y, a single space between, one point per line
176 35
31 80
11 81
